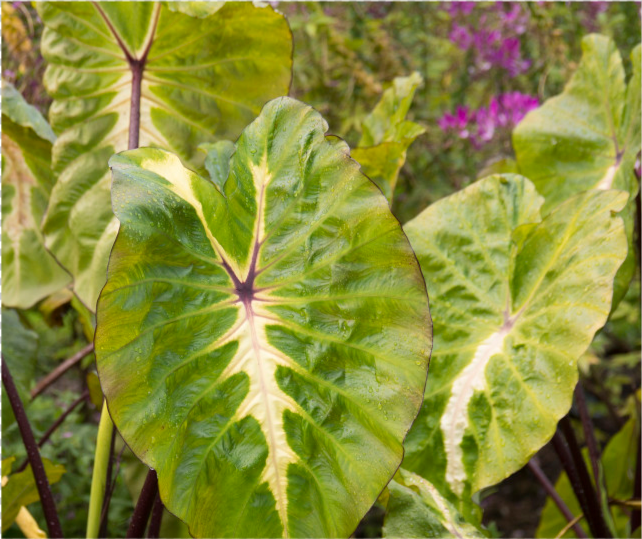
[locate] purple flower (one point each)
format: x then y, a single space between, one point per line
516 18
457 122
493 35
461 36
504 111
463 8
8 73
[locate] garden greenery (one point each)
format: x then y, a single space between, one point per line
263 334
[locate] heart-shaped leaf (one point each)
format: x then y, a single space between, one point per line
387 134
588 137
515 303
29 272
417 509
201 78
265 349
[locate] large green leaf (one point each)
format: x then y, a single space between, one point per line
619 463
588 137
29 272
515 303
387 135
417 509
204 78
264 349
21 490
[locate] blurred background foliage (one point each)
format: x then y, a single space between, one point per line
471 56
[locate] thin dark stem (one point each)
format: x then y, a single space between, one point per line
606 400
57 424
110 492
61 369
102 530
157 516
550 490
563 453
589 436
635 515
593 510
33 454
144 506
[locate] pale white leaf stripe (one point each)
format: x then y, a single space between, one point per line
454 421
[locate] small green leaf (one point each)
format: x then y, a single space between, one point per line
516 301
387 121
7 464
588 137
265 352
417 509
29 272
217 161
21 490
387 135
204 78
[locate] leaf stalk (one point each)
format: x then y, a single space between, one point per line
144 505
98 479
557 499
33 454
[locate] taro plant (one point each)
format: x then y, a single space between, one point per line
262 331
266 365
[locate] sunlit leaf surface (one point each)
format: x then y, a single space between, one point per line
515 300
588 137
204 78
416 509
264 349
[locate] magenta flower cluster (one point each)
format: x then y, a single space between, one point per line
479 126
492 35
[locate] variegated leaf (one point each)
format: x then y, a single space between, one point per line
588 137
516 301
202 78
29 272
264 349
416 509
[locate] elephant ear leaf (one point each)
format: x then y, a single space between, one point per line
516 301
264 350
201 78
588 137
387 134
30 273
415 508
